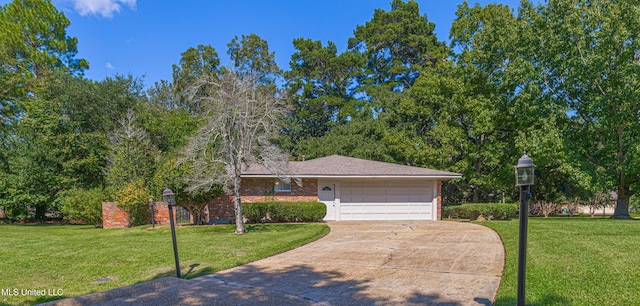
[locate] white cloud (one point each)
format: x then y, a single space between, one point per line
104 8
109 66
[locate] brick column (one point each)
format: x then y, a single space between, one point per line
162 213
113 216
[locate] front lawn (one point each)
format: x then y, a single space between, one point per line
573 261
75 260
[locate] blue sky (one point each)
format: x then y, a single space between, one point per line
145 37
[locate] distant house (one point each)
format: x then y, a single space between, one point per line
606 210
351 188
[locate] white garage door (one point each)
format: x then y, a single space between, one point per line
386 200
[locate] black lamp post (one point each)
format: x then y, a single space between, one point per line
524 179
170 198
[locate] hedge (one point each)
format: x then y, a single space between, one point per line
284 211
489 211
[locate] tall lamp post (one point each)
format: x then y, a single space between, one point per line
170 198
524 179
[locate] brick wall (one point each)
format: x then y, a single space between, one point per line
221 209
114 217
261 190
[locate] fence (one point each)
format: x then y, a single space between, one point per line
182 215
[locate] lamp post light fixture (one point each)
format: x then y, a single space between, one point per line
524 178
170 198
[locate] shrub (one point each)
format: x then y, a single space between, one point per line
489 211
544 209
81 204
134 198
255 212
284 211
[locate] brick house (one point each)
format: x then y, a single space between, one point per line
352 189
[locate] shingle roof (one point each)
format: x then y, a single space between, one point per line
342 166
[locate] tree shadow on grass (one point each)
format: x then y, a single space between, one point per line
194 271
550 299
257 285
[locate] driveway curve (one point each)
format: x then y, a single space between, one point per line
357 263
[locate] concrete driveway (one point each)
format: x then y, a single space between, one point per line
358 263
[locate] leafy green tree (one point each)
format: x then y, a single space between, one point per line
195 63
34 175
60 140
589 51
449 120
495 59
361 138
33 43
250 55
89 111
176 175
321 86
168 129
397 44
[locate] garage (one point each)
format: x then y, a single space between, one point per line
379 199
386 200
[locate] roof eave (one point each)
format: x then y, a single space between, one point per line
434 176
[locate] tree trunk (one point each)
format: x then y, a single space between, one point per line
478 166
238 207
476 195
197 214
622 204
41 211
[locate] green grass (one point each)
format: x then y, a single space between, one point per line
73 257
573 261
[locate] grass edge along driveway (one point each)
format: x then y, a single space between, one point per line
41 263
573 261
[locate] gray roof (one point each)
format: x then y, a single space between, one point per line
342 166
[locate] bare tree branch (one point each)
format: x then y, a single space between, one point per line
242 118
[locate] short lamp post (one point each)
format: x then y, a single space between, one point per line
524 179
170 198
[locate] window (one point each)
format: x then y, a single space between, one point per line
281 186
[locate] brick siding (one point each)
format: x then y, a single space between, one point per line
261 190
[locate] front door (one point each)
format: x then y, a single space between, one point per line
327 195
